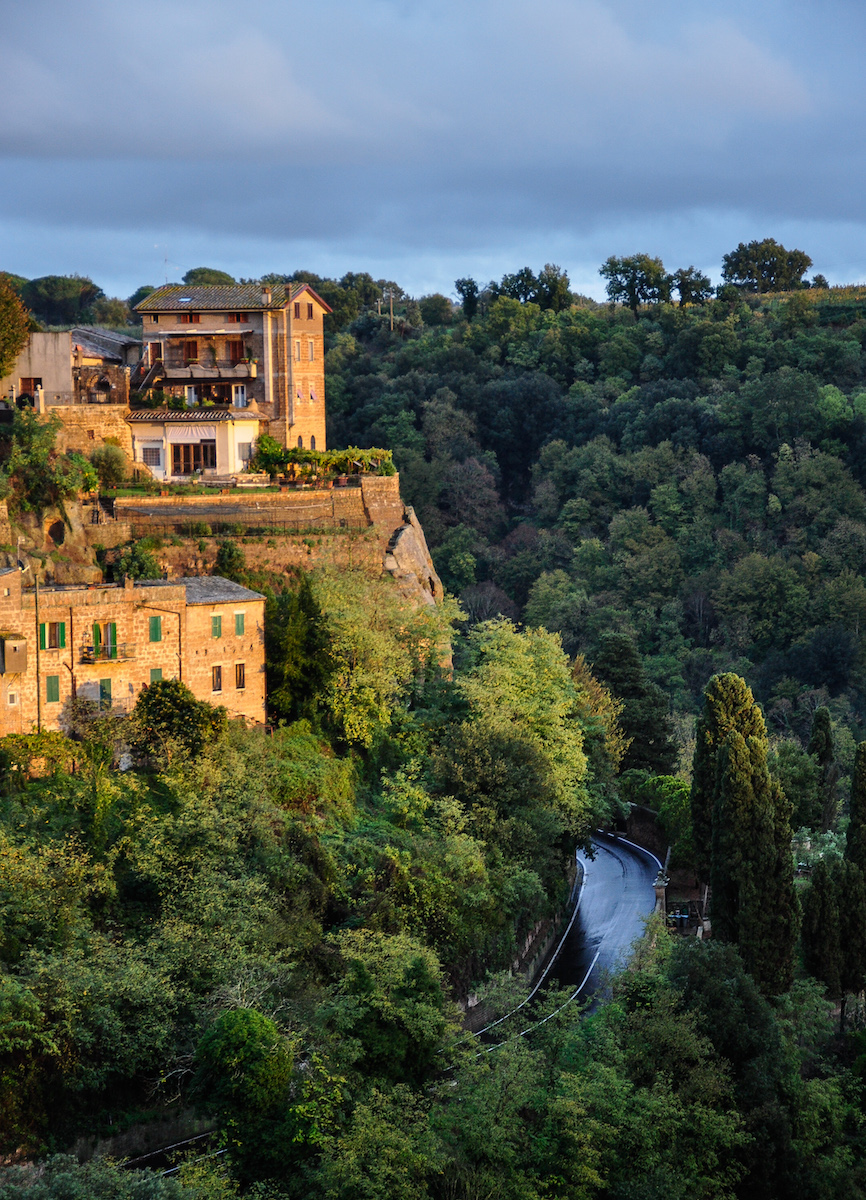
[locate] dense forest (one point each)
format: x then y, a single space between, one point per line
692 477
652 522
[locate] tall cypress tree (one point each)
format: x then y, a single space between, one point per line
824 752
728 705
821 934
753 900
855 847
834 929
644 718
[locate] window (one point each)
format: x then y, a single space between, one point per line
240 680
311 348
52 635
155 629
309 312
217 679
297 312
27 385
216 626
190 349
154 320
91 435
300 443
12 698
104 640
236 318
245 451
188 457
151 456
312 393
190 395
105 693
190 318
312 441
155 674
239 395
235 350
239 624
52 689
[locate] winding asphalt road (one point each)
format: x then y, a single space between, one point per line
616 897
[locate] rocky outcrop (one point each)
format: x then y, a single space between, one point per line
407 560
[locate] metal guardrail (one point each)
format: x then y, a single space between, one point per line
119 652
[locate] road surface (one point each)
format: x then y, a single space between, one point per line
616 897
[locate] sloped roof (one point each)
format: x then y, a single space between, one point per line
230 297
186 415
213 589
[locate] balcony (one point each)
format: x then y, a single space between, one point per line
179 372
119 652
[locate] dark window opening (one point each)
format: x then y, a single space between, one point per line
188 457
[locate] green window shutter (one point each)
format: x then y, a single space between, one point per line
97 637
105 691
112 638
216 627
239 624
156 629
155 674
61 634
43 637
52 688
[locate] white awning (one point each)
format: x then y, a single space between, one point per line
191 433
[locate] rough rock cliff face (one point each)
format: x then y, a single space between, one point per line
408 561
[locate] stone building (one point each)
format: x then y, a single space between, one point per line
108 641
211 442
84 365
241 346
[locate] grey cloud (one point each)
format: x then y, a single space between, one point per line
421 127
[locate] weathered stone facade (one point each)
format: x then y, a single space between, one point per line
245 345
106 642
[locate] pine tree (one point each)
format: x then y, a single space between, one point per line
855 848
728 705
644 717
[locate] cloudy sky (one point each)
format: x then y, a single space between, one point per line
423 140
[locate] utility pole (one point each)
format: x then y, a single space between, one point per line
38 674
391 301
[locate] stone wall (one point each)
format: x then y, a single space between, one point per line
86 426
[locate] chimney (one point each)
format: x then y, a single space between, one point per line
266 294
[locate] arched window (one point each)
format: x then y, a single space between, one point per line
300 443
313 442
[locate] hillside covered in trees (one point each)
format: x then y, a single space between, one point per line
654 520
691 476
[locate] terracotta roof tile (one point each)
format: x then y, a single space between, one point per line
230 297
